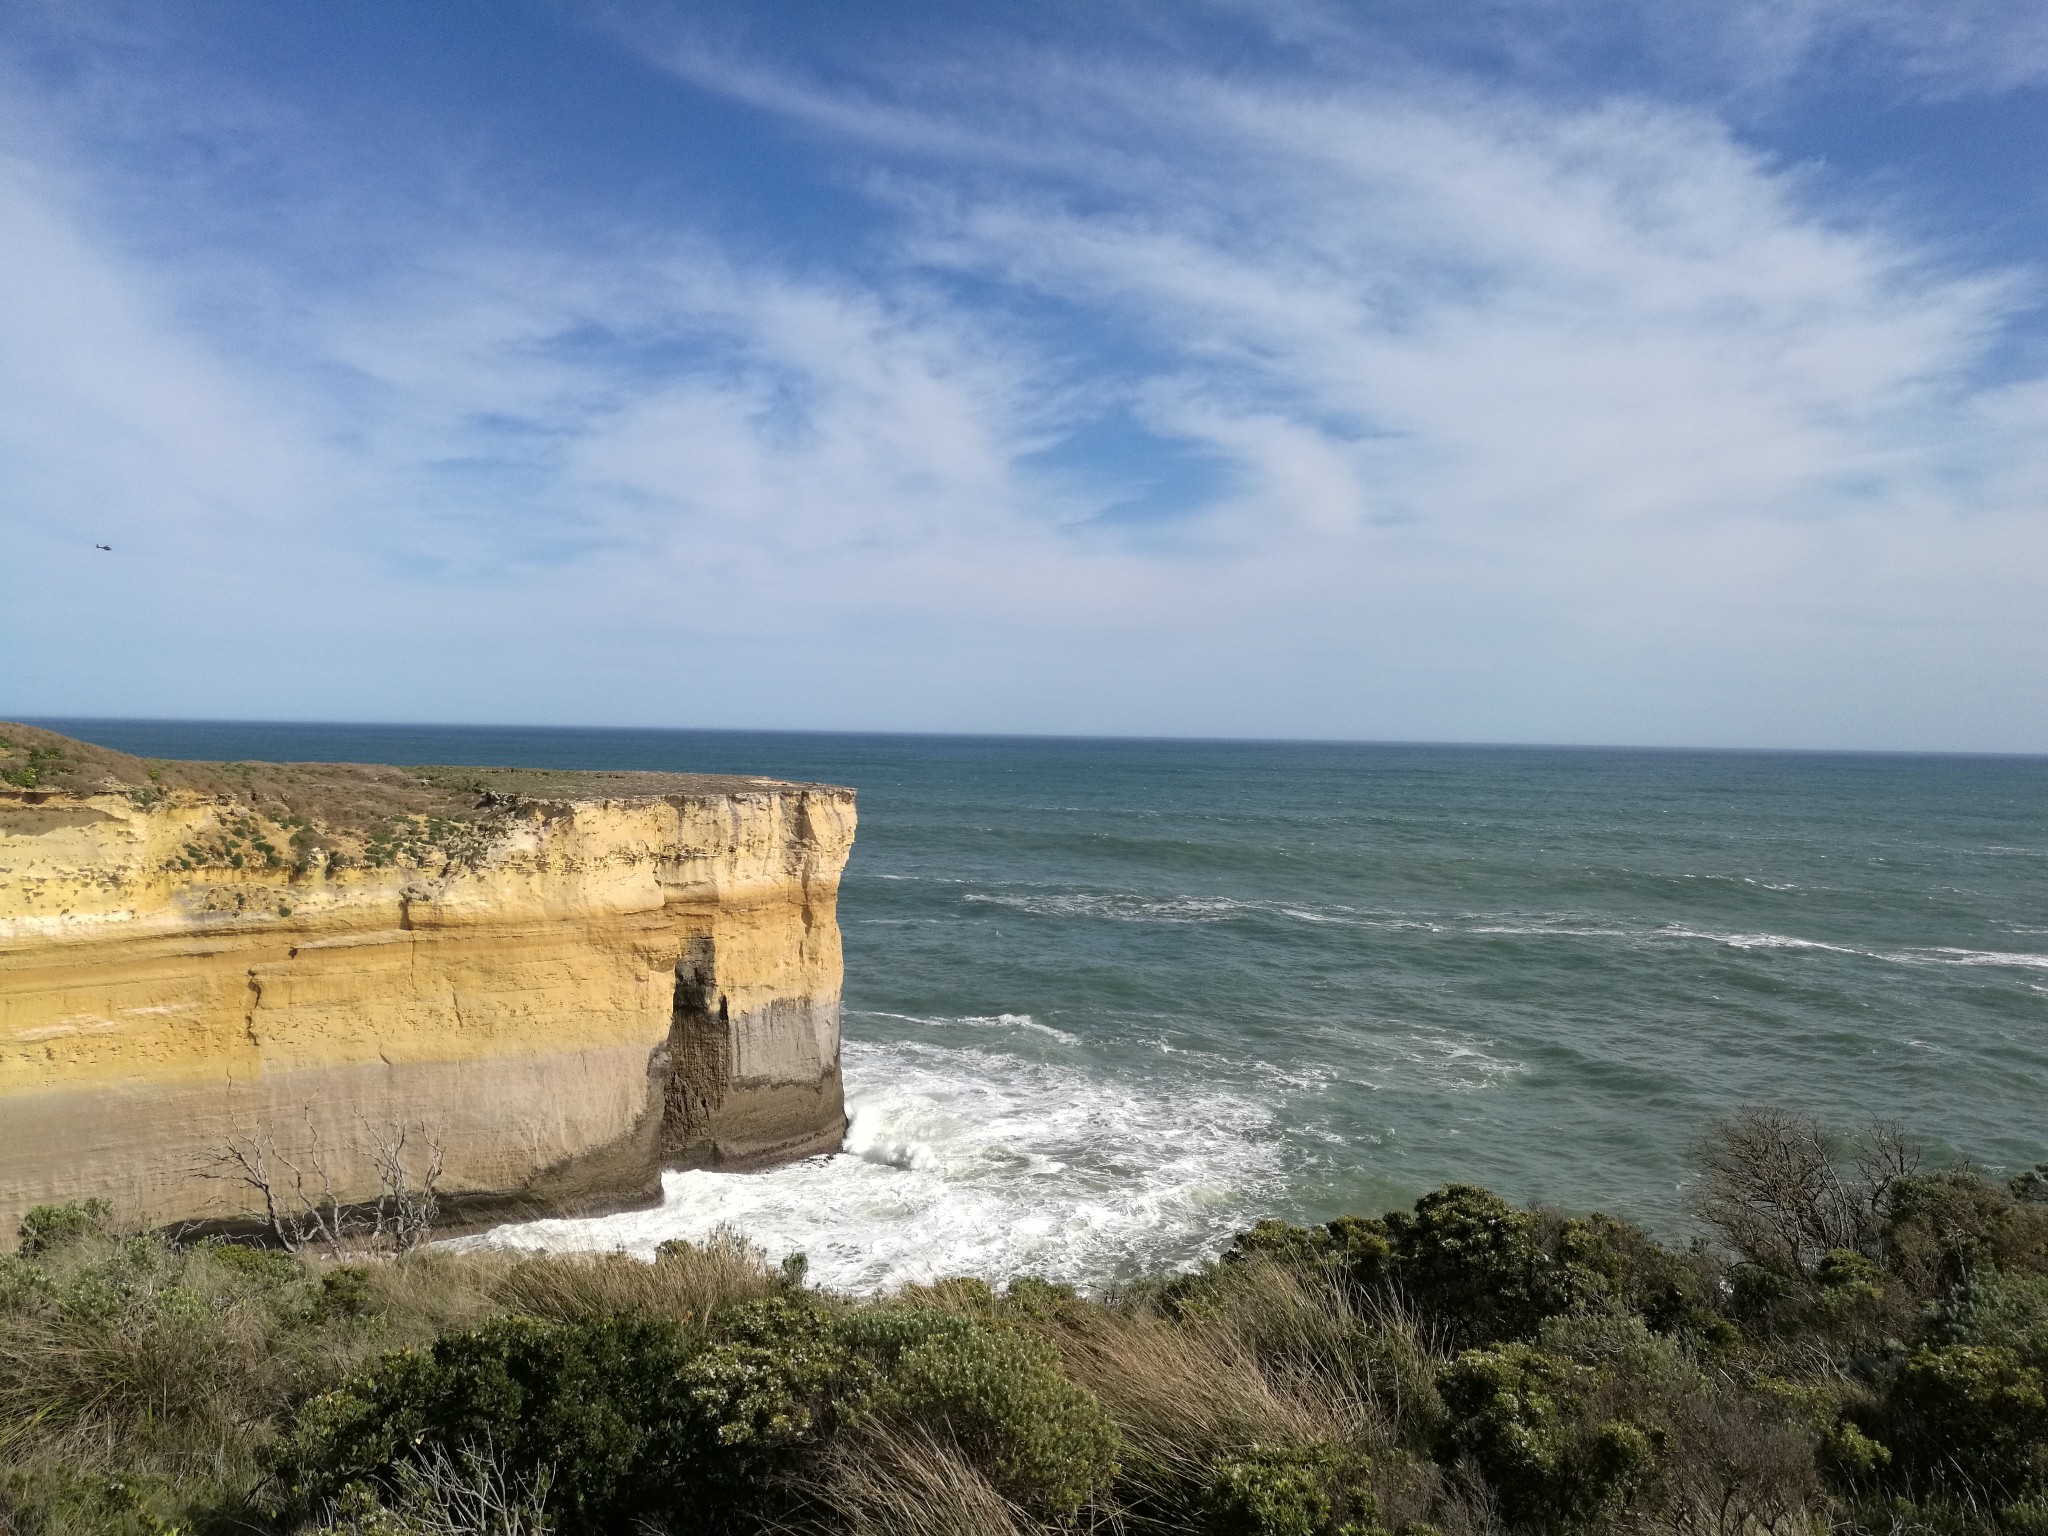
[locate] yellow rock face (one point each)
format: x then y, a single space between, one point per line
564 986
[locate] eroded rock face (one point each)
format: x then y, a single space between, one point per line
564 982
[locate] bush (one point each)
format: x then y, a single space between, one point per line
1521 1416
769 1383
1970 1413
602 1408
1942 1227
1471 1260
998 1395
633 1419
440 1495
2000 1308
61 1501
1357 1247
1621 1264
22 1284
1312 1490
261 1267
347 1290
1890 1379
48 1227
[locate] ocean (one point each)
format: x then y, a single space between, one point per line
1108 1002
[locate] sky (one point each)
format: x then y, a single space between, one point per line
1514 370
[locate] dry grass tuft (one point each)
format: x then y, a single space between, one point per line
884 1481
686 1284
441 1495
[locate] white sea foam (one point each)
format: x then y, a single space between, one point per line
1762 941
1121 907
1118 906
960 1161
1303 914
1126 907
1449 1062
1943 955
1550 930
1933 954
970 1021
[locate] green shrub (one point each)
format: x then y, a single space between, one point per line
1997 1307
1942 1226
1674 1293
632 1418
1311 1490
260 1266
347 1290
1765 1299
769 1382
1851 1456
1976 1413
1521 1416
1856 1297
1399 1377
49 1227
997 1394
603 1407
1359 1247
22 1283
1471 1260
63 1501
1043 1301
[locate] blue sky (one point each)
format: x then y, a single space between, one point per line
1537 370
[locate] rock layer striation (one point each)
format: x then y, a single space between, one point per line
546 986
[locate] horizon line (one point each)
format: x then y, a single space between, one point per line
48 722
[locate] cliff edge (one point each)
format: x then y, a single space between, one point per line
541 988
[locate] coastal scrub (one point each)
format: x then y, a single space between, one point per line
1861 1346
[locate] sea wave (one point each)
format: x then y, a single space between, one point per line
967 1021
1759 940
1553 930
1931 954
1128 907
1447 1062
1131 908
1943 955
959 1161
1119 906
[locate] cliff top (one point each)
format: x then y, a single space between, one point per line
340 797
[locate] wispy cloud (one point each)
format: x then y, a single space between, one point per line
1523 417
1601 379
1967 47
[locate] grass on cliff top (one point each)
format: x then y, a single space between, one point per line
1861 1347
367 800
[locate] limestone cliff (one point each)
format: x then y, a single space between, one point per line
564 981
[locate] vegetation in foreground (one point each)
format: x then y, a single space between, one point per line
1864 1348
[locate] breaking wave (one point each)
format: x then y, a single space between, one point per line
960 1161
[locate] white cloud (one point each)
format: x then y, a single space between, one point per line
1961 47
1537 422
1748 47
1604 383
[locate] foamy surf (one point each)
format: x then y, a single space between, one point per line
1022 1021
964 1162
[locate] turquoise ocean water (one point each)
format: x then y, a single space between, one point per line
1107 1002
